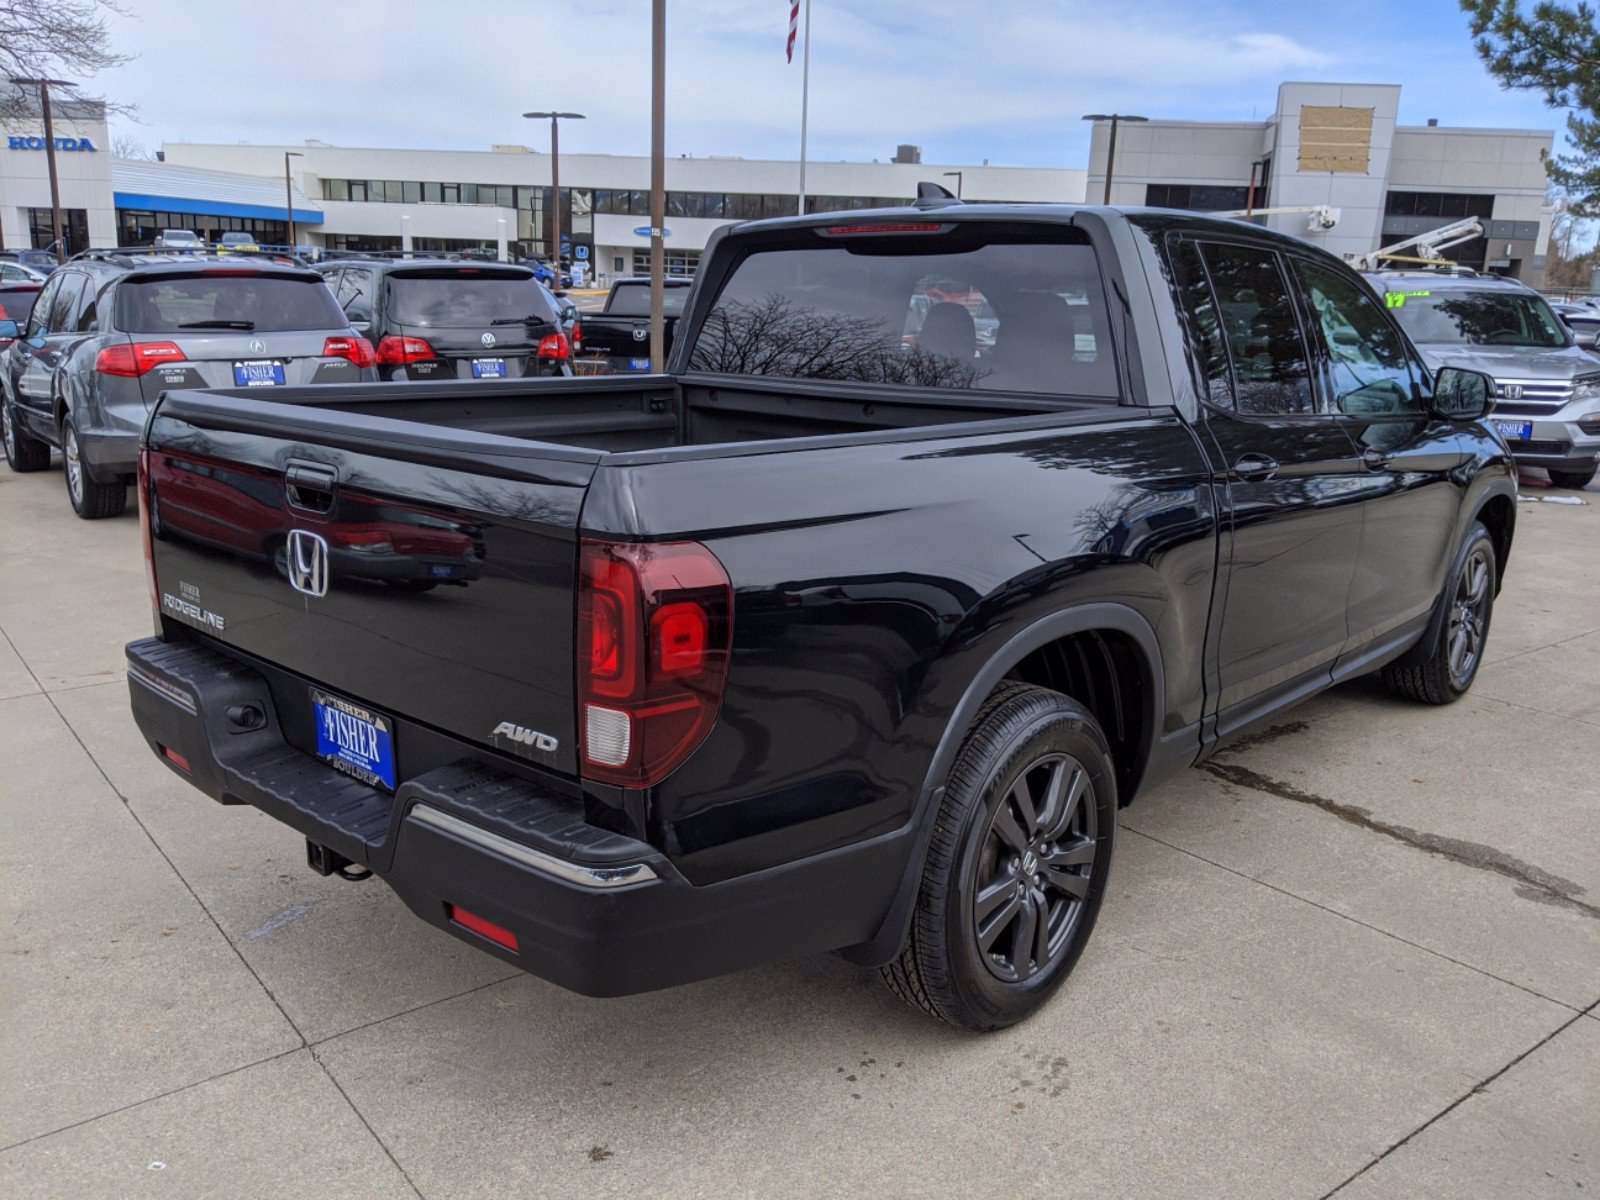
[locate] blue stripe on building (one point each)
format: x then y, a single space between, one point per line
212 208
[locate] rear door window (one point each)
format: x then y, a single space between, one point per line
463 300
225 299
966 307
1271 373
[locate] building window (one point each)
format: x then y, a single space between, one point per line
74 228
1197 197
1452 205
140 227
360 241
678 262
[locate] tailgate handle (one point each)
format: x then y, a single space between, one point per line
310 486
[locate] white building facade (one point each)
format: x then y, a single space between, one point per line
1340 146
83 175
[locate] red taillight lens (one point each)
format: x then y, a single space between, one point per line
397 351
146 533
577 336
655 622
132 360
555 345
488 929
356 349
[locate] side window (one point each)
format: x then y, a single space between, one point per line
38 320
1369 372
88 307
356 294
1202 324
63 306
1271 376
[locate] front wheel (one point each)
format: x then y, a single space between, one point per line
1017 868
90 500
1441 670
24 452
1576 480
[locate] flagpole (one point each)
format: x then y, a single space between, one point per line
805 104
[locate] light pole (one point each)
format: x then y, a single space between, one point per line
555 180
288 193
1111 150
957 174
658 185
44 86
405 237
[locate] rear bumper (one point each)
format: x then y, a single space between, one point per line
591 910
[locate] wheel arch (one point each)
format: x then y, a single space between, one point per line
1498 513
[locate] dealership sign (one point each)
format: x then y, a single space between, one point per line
62 143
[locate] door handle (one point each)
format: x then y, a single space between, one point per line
1254 466
1374 459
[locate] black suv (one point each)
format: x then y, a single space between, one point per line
113 329
433 318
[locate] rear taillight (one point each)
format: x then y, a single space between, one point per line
555 345
355 349
132 360
655 622
146 533
397 351
576 335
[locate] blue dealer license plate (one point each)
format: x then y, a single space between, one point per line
1515 431
488 368
354 740
638 364
258 374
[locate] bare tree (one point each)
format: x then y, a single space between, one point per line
125 145
54 38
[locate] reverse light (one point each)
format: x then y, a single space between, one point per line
655 621
398 351
131 360
555 345
354 349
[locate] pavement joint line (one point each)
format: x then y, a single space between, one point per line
415 1008
1282 891
1474 1090
132 1104
1535 649
362 1117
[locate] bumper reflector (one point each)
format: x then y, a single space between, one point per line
176 759
488 929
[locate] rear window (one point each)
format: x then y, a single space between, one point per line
16 305
986 308
633 300
219 300
1460 316
459 301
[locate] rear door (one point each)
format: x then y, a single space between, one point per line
1291 487
227 327
476 322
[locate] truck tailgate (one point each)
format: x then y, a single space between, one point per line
406 569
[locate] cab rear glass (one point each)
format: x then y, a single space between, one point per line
633 300
245 301
967 306
458 300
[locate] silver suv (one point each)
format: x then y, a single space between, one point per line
1547 387
112 330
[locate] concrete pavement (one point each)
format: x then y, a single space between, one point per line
1357 956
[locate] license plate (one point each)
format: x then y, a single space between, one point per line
488 368
354 740
262 373
1515 431
638 364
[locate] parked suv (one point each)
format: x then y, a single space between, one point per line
1547 387
449 319
112 330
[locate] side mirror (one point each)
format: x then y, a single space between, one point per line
1460 394
8 329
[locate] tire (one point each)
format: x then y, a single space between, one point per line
90 500
1576 480
984 864
1442 670
24 452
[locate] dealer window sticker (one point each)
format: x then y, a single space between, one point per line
1398 299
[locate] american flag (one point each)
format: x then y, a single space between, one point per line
794 26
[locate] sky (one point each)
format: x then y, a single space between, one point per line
1004 80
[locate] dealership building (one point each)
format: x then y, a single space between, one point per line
1330 164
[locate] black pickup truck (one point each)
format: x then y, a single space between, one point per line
851 631
617 338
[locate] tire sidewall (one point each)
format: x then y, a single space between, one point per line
1050 730
75 499
1476 536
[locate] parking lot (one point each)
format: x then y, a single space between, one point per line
1359 954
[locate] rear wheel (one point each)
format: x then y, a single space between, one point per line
1017 868
1576 480
90 500
24 452
1441 671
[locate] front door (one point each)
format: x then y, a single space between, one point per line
1289 481
33 358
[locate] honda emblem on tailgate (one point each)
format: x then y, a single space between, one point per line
639 335
308 562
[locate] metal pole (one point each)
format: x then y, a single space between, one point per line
555 200
1111 157
658 183
805 104
50 155
288 199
